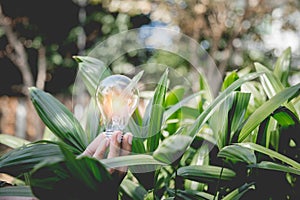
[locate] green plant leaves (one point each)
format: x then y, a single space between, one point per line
71 178
131 160
207 113
172 148
133 190
16 192
275 166
239 192
237 153
282 66
285 117
91 71
266 109
59 119
25 158
12 141
271 153
157 111
205 173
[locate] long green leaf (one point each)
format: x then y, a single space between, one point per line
219 121
92 119
271 84
12 141
59 119
285 117
238 153
196 194
238 110
131 160
179 105
173 97
275 166
239 192
172 148
16 191
271 153
229 79
71 178
91 71
269 81
205 173
157 112
266 109
282 66
133 190
23 159
207 113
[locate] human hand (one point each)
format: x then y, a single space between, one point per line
117 145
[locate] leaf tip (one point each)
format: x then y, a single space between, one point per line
32 89
77 59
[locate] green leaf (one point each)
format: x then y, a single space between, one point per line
92 121
91 71
131 160
70 178
133 83
172 148
59 119
199 158
204 86
133 190
266 109
269 81
205 173
179 105
23 159
157 111
229 79
173 97
271 84
238 153
12 141
263 134
282 66
238 110
239 192
285 117
275 166
219 122
196 194
16 191
271 153
207 113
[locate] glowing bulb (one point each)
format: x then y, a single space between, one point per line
117 100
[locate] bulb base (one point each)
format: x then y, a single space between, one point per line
110 133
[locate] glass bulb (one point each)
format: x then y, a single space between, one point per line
117 100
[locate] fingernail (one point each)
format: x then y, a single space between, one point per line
119 137
130 139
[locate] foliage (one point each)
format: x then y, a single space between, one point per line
229 151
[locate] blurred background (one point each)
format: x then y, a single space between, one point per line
39 38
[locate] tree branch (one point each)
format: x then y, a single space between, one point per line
42 67
19 56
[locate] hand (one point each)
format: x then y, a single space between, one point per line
118 146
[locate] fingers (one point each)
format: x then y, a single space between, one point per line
126 149
126 144
115 144
91 149
101 149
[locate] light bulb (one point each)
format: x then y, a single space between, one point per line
117 100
